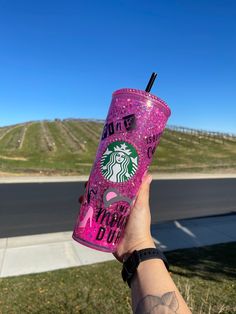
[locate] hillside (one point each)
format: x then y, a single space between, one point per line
69 147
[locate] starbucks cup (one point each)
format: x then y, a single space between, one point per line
131 134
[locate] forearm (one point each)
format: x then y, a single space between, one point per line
154 292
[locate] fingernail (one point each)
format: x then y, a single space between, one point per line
81 198
143 177
149 179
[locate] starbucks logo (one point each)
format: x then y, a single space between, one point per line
119 162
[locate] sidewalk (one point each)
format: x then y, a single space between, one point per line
46 252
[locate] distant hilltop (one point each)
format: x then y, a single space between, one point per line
69 146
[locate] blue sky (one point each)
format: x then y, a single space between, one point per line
62 59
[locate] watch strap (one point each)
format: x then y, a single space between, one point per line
131 264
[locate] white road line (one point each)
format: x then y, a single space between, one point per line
184 229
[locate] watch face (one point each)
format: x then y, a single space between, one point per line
133 261
130 266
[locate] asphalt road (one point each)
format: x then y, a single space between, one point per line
33 208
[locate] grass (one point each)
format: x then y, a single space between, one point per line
69 147
205 276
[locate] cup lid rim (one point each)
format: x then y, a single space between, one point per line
144 94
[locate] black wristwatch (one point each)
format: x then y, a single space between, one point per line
131 264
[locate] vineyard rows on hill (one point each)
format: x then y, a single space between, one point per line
69 146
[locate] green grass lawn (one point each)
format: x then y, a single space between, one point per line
206 277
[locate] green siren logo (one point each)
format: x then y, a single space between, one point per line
119 162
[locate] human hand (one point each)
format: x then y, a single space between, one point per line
137 234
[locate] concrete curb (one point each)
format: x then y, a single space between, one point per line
46 252
159 176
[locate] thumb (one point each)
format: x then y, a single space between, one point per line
143 194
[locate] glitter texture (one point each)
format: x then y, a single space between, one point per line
137 118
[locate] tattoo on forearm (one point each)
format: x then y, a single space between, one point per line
151 304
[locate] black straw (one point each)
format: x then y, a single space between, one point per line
151 81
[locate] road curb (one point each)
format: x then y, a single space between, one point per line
47 252
159 176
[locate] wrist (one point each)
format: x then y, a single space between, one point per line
132 263
143 270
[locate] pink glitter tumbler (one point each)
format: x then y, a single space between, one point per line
132 131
